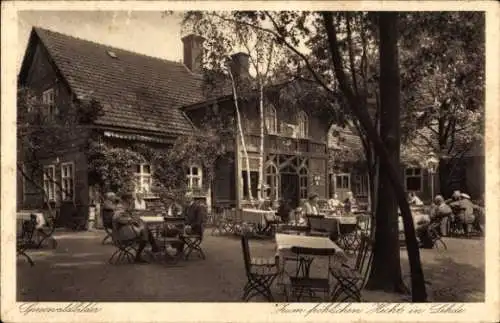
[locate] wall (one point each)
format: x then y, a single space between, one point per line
40 77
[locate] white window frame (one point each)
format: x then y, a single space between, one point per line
303 124
348 175
361 183
49 99
49 183
190 176
274 187
143 177
303 190
64 185
271 120
413 175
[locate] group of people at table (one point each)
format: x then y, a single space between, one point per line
311 206
128 225
457 212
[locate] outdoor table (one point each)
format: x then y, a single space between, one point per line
257 216
26 215
285 242
152 219
346 219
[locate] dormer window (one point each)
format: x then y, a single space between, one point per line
48 100
271 120
112 54
303 122
194 177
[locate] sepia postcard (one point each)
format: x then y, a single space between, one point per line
250 161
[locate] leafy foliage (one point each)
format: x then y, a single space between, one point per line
443 80
42 135
112 167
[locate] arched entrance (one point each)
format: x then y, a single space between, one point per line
289 184
287 177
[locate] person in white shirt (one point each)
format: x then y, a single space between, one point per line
413 199
311 205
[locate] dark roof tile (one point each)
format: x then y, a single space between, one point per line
137 91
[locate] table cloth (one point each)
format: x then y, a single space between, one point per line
285 242
257 216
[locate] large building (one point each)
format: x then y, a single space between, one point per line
154 101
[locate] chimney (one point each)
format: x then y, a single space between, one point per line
193 52
240 65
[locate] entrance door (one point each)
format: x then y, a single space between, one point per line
290 188
342 184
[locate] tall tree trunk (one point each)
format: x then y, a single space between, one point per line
261 148
386 268
356 107
242 136
443 178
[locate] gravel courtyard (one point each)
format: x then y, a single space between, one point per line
78 271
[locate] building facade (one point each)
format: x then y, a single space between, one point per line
153 101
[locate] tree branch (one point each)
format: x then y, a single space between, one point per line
351 54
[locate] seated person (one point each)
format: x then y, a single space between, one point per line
129 226
311 205
108 209
301 214
195 214
284 211
334 202
439 211
349 203
466 212
413 199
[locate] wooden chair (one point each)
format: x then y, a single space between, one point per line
260 272
435 235
125 249
164 239
349 237
193 244
352 279
299 284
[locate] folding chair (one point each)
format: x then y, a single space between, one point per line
193 243
349 236
125 249
260 272
304 283
435 236
364 223
351 280
159 233
24 238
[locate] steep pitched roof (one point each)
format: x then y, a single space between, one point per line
136 91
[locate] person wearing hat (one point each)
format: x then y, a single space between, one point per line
466 212
108 211
442 213
129 226
311 205
195 215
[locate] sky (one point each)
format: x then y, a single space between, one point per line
145 32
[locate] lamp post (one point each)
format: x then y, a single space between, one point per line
432 164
